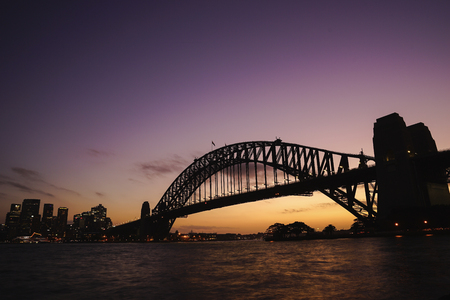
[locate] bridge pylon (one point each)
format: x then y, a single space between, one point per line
410 170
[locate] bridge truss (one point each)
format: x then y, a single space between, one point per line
257 170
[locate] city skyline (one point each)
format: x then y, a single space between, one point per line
107 102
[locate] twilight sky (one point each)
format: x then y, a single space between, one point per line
108 101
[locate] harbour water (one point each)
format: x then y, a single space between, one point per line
367 268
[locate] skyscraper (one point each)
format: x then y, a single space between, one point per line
61 221
12 221
47 219
29 217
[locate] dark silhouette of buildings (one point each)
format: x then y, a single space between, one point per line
90 225
23 221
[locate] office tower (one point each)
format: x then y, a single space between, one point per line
61 221
29 217
12 221
15 208
99 221
99 211
47 219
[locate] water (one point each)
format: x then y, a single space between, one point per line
370 268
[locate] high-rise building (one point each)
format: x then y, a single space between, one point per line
99 211
12 221
15 208
99 221
61 221
91 224
30 217
47 219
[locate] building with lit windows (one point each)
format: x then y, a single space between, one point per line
47 220
12 221
61 221
30 217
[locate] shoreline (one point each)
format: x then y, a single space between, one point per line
397 233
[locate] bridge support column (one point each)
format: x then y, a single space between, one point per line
160 228
401 184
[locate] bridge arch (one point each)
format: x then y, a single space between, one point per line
252 170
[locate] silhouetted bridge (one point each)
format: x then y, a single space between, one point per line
257 170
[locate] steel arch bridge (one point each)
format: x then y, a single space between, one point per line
257 170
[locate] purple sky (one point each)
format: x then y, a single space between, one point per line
107 101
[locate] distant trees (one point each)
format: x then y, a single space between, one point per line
329 230
357 227
294 230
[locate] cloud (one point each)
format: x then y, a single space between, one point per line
99 194
64 189
36 176
135 181
325 205
98 153
163 167
291 211
28 174
318 205
23 187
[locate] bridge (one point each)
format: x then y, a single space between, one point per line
407 171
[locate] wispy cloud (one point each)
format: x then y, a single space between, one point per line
162 167
325 205
64 189
23 188
99 194
315 206
27 174
135 181
293 210
32 175
98 153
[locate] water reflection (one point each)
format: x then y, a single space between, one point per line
371 268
